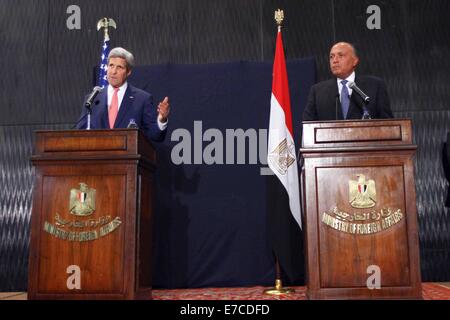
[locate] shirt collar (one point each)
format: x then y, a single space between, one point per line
122 88
351 78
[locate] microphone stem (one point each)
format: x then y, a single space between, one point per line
88 127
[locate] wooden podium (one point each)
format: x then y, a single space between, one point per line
358 193
91 229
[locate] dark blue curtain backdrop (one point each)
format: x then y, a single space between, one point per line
210 220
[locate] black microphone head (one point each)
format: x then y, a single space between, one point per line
92 96
353 86
95 91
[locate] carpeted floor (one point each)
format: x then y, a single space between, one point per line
430 291
251 293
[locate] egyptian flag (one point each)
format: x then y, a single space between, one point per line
283 198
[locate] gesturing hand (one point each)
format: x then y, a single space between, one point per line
163 110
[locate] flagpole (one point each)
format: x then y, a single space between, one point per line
278 288
104 23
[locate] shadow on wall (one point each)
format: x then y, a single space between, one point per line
171 221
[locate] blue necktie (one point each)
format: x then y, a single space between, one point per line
345 99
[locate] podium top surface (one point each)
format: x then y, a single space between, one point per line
92 145
358 133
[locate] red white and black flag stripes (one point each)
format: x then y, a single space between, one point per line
281 148
283 203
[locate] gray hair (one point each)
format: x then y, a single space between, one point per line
124 54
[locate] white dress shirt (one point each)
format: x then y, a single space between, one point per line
351 78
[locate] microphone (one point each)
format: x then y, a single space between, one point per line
92 96
84 115
366 99
364 96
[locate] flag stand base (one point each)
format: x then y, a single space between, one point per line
278 290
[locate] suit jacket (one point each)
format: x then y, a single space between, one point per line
324 104
136 104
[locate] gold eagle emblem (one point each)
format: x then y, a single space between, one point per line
82 201
362 193
282 157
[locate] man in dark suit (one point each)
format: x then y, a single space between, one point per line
334 100
120 103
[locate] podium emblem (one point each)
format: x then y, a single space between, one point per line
82 201
82 204
362 193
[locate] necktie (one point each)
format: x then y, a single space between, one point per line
345 99
113 108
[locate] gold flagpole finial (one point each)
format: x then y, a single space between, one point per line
279 17
105 23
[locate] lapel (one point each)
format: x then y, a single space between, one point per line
355 109
337 109
125 106
103 108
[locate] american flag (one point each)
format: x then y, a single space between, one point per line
102 81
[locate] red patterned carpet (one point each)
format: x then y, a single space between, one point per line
431 291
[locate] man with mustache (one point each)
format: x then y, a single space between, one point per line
333 99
